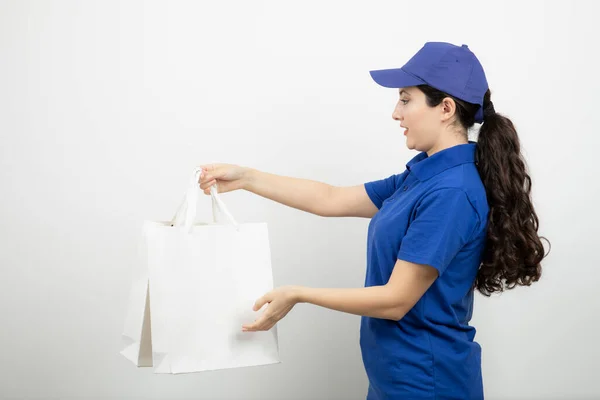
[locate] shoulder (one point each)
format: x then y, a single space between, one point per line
462 196
464 178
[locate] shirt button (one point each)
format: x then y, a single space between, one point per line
405 188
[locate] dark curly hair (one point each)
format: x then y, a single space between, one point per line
513 250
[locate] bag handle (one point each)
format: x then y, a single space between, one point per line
186 212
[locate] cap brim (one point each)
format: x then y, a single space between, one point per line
395 78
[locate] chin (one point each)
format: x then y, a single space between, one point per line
416 146
410 145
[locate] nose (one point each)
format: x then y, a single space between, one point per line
396 114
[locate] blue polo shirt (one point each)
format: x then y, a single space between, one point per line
434 213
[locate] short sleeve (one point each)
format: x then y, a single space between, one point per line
444 222
380 190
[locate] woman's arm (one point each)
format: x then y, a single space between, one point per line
408 282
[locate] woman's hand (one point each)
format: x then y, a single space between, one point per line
228 177
280 302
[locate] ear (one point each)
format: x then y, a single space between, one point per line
448 108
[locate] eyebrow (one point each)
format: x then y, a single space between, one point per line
405 92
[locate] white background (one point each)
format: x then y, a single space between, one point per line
107 106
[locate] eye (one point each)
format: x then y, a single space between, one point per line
405 102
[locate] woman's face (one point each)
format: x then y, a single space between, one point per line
422 123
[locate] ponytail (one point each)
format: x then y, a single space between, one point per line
513 250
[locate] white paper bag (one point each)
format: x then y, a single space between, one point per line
194 288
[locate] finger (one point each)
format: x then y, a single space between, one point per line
267 324
205 177
207 167
256 325
206 185
205 170
264 323
207 190
261 302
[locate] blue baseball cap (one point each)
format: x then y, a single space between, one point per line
452 69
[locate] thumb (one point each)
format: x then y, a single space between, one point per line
214 170
261 302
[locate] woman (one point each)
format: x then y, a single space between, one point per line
458 219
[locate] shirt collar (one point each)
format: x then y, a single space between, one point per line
425 167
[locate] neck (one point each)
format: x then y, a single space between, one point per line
446 142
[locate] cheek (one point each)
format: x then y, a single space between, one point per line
423 121
414 120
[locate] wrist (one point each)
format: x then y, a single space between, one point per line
248 177
300 294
